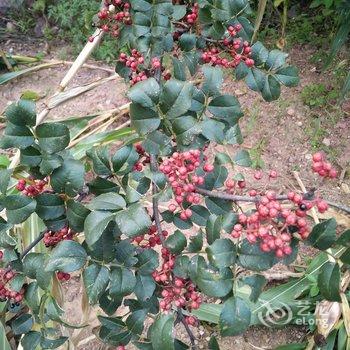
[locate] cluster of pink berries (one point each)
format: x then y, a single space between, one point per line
6 276
177 292
62 276
151 238
270 223
51 238
322 167
110 21
192 17
180 170
239 50
34 188
143 160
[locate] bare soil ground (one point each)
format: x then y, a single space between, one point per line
280 133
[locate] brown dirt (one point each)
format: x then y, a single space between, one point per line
283 125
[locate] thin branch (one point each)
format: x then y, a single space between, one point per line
154 167
237 198
181 318
33 244
233 197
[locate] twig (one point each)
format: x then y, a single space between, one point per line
339 206
154 167
188 330
32 245
233 197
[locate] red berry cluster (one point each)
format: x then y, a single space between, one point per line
6 276
239 50
112 16
143 160
121 347
271 224
62 276
53 238
34 187
177 292
151 238
193 15
180 170
322 167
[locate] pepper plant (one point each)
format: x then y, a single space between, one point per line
155 225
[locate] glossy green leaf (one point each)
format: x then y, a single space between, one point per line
222 253
49 206
288 76
235 317
144 120
94 225
213 79
323 235
147 261
67 256
21 113
100 160
96 278
176 242
329 281
123 281
124 160
52 137
18 208
16 137
145 287
76 215
162 332
107 202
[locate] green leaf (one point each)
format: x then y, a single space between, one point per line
16 137
125 253
288 76
31 297
176 242
124 159
179 69
235 317
242 158
176 98
218 206
50 162
259 53
216 178
323 235
247 30
227 108
6 241
255 79
5 176
145 93
94 225
30 156
133 221
76 215
344 238
294 346
213 130
187 41
52 137
22 324
147 261
329 281
21 113
68 178
47 343
49 206
256 283
211 281
135 321
109 304
179 12
100 185
100 160
213 79
157 143
213 228
272 89
67 256
222 253
181 266
241 71
345 257
33 268
213 344
162 332
145 287
233 135
200 215
144 120
123 282
276 59
196 243
96 278
107 202
186 128
18 208
30 341
251 257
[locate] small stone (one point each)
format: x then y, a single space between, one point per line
239 92
207 338
299 123
290 111
308 156
326 142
